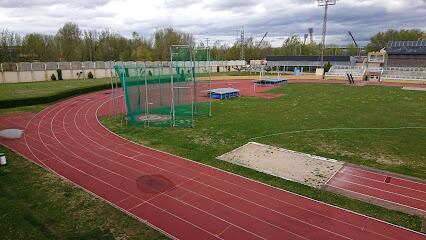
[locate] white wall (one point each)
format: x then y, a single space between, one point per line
38 74
10 77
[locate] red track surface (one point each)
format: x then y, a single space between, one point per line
184 199
381 188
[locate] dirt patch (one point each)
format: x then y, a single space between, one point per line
295 166
389 160
153 118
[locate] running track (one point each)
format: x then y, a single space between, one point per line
187 200
388 190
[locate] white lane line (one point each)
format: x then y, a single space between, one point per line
381 199
131 214
384 175
399 186
380 190
88 174
266 185
267 207
362 228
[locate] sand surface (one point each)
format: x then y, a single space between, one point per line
304 168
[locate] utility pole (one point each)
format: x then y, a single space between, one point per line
242 43
207 42
325 4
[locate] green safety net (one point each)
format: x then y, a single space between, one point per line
203 83
164 96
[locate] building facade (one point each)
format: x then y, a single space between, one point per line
406 54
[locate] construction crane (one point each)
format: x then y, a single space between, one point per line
258 45
356 44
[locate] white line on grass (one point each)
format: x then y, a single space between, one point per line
333 129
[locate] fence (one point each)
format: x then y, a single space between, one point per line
43 71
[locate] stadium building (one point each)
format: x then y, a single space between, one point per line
406 54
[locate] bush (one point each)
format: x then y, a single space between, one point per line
90 75
53 77
59 71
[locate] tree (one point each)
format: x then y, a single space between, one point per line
10 44
69 40
165 38
34 47
381 39
292 46
90 40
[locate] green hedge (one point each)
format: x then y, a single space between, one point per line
51 98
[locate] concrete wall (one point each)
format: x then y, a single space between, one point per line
10 77
38 76
44 71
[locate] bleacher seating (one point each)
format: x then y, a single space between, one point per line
341 71
404 73
391 73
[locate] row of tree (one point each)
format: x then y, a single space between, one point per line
71 43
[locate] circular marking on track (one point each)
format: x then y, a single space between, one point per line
154 184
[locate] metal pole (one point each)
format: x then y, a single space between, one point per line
172 109
112 88
118 102
324 32
124 89
146 99
194 92
160 68
210 80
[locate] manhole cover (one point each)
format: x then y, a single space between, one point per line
153 118
11 133
154 184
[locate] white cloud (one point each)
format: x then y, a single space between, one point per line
217 19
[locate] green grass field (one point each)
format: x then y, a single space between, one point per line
305 107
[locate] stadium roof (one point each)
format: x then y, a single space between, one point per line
407 47
340 58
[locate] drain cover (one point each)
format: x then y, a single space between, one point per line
11 133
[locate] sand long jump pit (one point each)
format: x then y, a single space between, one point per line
287 164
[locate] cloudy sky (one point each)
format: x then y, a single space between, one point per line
216 19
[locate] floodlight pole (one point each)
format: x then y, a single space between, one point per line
324 3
